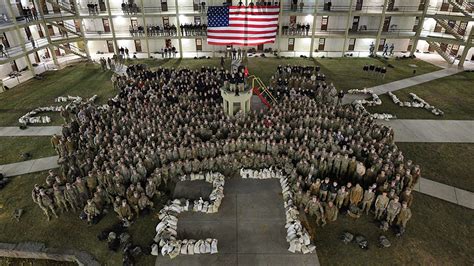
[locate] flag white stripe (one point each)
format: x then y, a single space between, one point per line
216 29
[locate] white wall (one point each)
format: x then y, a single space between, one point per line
403 23
400 45
93 24
363 44
95 46
372 22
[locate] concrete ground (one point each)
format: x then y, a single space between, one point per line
250 226
30 131
417 130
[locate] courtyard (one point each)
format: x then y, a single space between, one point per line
250 223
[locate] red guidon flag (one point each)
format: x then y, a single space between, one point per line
242 25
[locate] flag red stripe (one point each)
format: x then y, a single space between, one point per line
239 43
254 13
252 25
241 31
254 7
241 38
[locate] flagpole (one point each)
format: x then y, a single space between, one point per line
277 41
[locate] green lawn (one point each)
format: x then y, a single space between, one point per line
437 234
83 80
67 232
12 147
454 95
346 73
448 163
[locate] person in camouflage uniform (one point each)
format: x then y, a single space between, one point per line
91 211
46 204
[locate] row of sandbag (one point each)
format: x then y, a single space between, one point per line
217 194
166 230
31 118
266 173
297 236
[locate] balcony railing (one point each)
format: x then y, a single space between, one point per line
405 9
436 11
399 33
428 33
345 8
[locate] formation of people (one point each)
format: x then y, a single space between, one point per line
193 29
29 14
167 123
130 7
93 8
153 30
168 52
296 29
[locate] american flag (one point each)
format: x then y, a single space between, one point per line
240 25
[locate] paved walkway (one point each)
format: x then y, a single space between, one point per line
29 166
448 193
404 83
30 131
417 130
425 186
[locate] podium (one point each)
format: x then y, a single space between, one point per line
233 103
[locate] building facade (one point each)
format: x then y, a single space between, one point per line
34 31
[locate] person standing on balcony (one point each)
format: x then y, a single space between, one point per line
203 7
32 42
329 5
301 6
294 5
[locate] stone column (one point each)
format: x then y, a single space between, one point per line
231 109
419 29
382 21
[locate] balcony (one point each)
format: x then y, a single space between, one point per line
398 33
309 9
408 10
440 37
15 52
454 14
